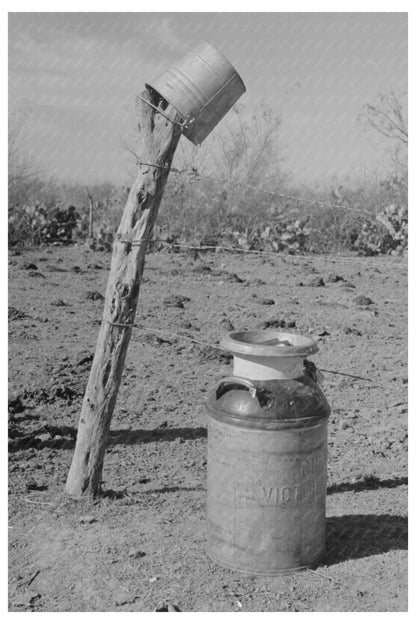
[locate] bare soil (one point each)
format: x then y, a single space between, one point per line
142 545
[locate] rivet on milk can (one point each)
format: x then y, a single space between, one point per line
267 457
202 86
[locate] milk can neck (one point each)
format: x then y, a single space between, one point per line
267 368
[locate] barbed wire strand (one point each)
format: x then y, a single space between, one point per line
218 347
394 262
196 176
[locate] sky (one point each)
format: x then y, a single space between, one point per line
77 76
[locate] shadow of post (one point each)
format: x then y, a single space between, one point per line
49 436
358 536
143 436
367 483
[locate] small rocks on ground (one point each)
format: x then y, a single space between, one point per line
95 266
84 359
227 325
257 281
352 330
202 268
87 519
122 599
34 486
316 282
175 301
362 300
36 274
54 269
275 323
94 295
135 553
333 277
27 266
233 277
187 325
59 303
43 437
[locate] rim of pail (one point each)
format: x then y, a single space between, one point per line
207 44
254 343
201 112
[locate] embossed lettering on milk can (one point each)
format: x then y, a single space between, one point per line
267 457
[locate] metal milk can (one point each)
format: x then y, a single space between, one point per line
267 457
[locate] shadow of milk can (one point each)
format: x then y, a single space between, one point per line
202 86
267 457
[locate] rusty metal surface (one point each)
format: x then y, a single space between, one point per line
202 86
266 497
267 465
276 404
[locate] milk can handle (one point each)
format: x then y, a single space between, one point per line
243 382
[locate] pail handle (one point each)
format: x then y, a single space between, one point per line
254 392
175 123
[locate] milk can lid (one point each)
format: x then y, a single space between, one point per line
269 343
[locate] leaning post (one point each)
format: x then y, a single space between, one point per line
159 139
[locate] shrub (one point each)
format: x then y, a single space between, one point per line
388 236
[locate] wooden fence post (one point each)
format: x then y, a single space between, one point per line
90 216
159 139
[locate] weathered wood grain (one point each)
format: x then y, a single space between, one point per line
159 139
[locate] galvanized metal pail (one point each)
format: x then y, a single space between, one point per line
267 458
202 86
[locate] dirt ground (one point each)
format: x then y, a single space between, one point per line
142 545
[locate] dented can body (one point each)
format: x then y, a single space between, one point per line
202 86
267 462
